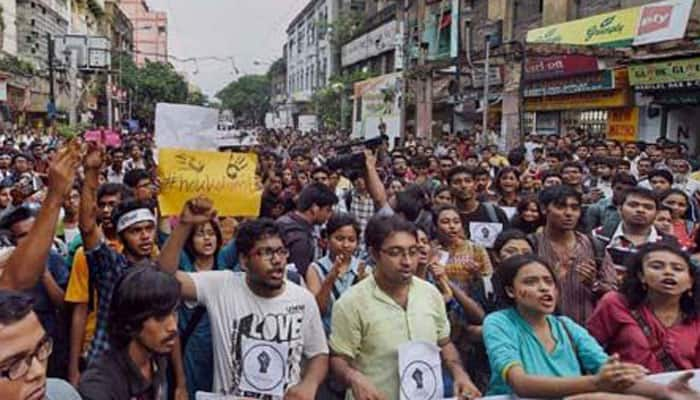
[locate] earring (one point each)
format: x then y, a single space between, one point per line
689 293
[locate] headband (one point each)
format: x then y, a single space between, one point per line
134 217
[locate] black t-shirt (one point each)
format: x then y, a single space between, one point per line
482 214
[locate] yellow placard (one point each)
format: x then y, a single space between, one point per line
611 29
623 124
228 179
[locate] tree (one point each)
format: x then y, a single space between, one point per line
197 98
248 97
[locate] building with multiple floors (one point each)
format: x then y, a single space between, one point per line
150 31
36 19
9 33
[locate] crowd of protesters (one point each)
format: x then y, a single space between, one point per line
566 267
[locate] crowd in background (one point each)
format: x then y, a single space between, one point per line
567 266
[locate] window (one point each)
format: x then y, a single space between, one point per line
312 77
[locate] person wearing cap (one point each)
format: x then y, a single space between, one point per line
135 223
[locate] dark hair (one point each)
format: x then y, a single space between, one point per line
128 205
662 173
508 270
340 220
516 156
254 230
316 194
113 189
420 162
549 174
640 192
558 154
506 236
14 306
572 164
141 293
460 169
440 189
635 292
557 195
503 172
522 225
479 171
133 177
689 210
411 201
19 214
189 244
322 169
624 178
379 228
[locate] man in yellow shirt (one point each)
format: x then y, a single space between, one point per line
83 318
385 320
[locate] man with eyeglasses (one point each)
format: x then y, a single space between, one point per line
390 332
24 352
262 325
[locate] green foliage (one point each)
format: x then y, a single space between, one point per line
2 20
197 98
153 83
327 101
277 67
70 132
344 28
248 97
16 66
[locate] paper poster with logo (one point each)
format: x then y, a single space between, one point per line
228 179
264 366
484 233
420 371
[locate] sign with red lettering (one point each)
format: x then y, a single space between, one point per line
559 66
666 20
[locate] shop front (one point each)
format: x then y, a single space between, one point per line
668 94
586 101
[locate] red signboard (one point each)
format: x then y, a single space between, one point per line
555 67
654 18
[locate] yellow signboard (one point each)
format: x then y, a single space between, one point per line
665 72
617 28
580 101
623 124
228 179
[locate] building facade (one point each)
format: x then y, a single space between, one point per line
9 33
312 56
150 31
36 19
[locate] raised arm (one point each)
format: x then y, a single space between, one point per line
27 263
89 231
196 211
375 187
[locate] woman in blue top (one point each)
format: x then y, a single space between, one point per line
533 353
330 276
200 253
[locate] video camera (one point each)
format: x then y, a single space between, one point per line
353 162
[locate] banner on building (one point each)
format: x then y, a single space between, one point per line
228 179
623 124
651 23
371 44
674 74
377 107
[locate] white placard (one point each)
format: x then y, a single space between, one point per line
420 371
186 127
484 233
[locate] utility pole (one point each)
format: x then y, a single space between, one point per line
52 93
404 35
110 117
486 88
458 66
74 93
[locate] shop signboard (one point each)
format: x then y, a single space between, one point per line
558 66
674 74
580 101
604 80
623 124
651 23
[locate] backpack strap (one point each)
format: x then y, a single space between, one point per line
666 361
